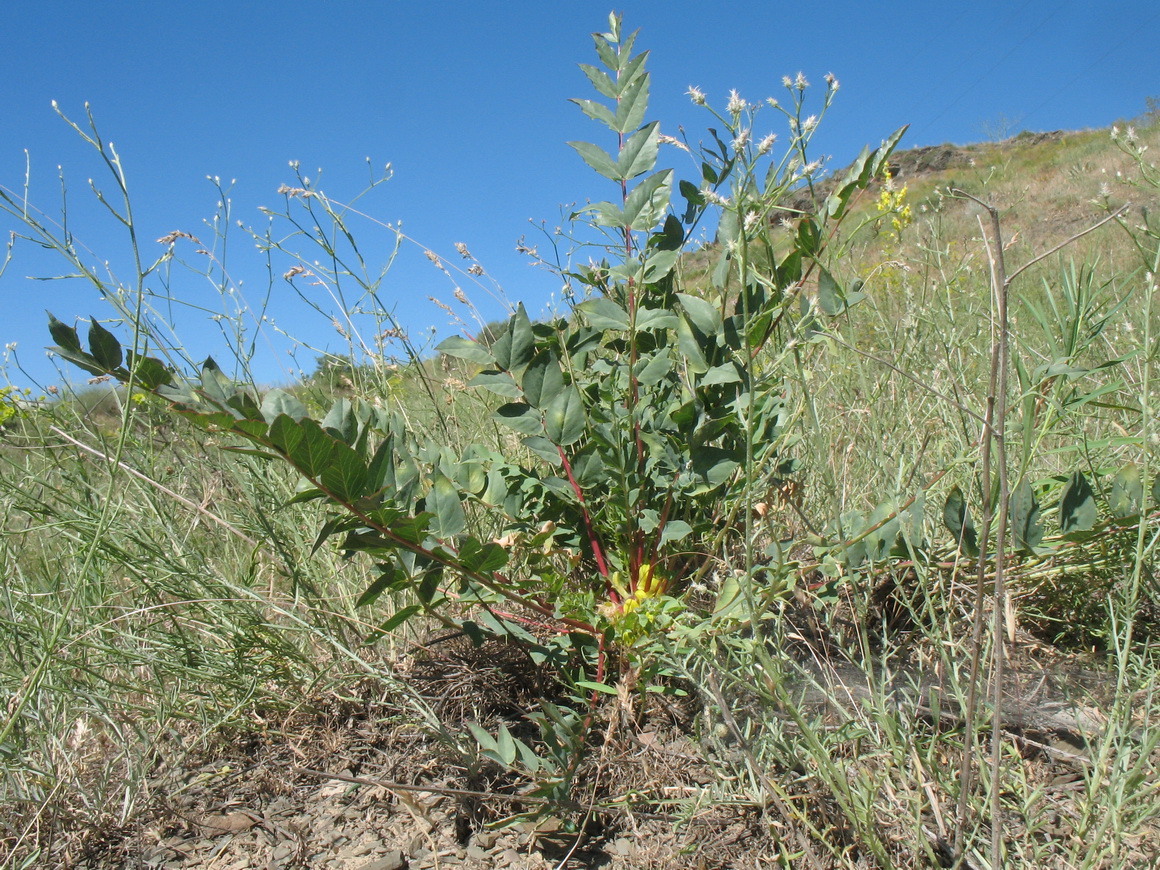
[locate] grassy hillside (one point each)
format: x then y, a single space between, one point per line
217 650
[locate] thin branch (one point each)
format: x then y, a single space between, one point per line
1114 215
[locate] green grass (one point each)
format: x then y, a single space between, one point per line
163 589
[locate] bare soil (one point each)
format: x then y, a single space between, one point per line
349 782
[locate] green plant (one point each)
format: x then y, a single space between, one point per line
649 421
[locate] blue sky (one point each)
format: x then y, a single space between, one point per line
468 102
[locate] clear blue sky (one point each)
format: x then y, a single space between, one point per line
468 102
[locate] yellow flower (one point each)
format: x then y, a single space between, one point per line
645 585
893 201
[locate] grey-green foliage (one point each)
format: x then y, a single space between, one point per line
645 418
636 432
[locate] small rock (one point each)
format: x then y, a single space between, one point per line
485 839
281 853
417 845
363 847
229 823
624 847
393 860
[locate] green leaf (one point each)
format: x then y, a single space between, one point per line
1026 527
722 374
103 346
391 578
1058 368
304 495
702 314
428 588
521 417
149 372
81 360
1077 507
674 530
809 239
602 313
514 348
694 199
564 417
591 686
247 410
671 236
605 51
543 379
1127 495
631 68
851 525
600 80
397 618
482 558
729 596
653 370
883 152
597 112
413 529
648 201
214 386
64 335
789 271
598 159
505 746
633 101
250 451
639 154
588 468
714 465
304 443
464 348
859 171
278 402
690 347
880 542
911 530
543 448
658 264
500 383
605 214
957 519
443 501
830 299
486 742
655 318
345 476
340 421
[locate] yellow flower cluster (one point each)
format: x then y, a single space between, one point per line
647 586
13 402
892 201
8 406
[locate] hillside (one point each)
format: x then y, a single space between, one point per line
703 574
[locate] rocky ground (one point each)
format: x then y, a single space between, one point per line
351 783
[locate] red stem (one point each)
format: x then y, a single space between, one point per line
597 550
